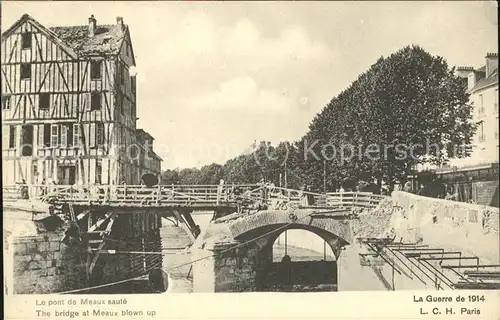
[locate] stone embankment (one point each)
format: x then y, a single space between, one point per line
453 226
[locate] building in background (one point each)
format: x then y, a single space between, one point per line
475 178
69 104
147 161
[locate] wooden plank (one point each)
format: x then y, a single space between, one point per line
100 222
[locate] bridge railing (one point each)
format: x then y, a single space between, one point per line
189 195
131 194
354 199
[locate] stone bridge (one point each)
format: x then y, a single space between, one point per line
242 248
409 242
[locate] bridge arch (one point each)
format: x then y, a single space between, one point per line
334 229
262 229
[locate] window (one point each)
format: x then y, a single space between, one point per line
54 135
95 101
64 136
98 171
12 137
100 133
27 140
44 102
46 135
481 131
6 101
25 71
26 40
76 135
95 70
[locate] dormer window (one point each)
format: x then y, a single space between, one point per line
95 70
26 40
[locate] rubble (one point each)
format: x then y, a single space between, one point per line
374 223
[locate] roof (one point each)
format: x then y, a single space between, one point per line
75 40
486 82
107 39
142 132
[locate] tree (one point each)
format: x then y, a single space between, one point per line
170 177
406 109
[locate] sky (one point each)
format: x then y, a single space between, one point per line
213 77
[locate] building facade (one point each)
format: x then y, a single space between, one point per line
475 178
147 161
68 104
482 85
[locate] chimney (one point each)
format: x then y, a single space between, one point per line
119 23
491 63
471 80
92 26
464 71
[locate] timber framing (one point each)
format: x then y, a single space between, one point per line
64 93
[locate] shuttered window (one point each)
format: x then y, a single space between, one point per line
54 135
64 136
41 135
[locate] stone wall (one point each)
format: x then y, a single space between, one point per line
41 264
228 270
469 228
454 226
235 270
486 192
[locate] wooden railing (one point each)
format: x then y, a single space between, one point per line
189 195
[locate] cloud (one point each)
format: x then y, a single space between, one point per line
197 36
237 94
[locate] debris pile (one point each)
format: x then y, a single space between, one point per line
373 223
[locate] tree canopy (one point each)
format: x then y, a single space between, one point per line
406 109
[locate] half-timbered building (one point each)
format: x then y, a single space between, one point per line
69 104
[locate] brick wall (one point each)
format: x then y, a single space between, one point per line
486 192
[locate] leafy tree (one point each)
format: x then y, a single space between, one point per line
170 177
406 109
